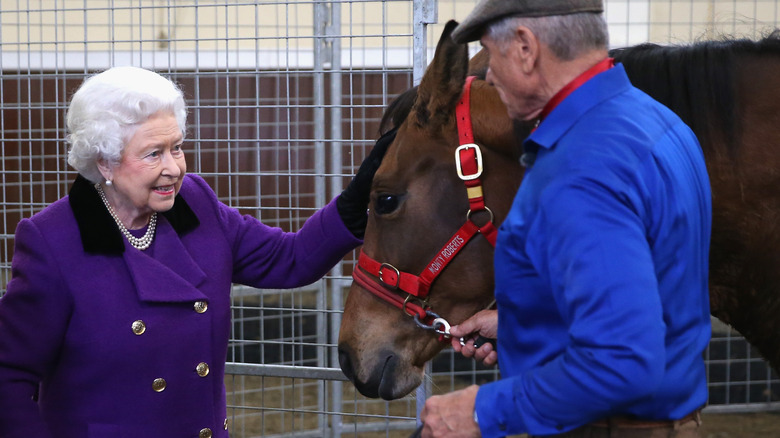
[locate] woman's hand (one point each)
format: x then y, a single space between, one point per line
353 201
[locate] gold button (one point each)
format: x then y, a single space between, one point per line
202 369
226 424
205 433
159 385
139 327
201 306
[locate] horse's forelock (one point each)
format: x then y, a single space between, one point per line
398 110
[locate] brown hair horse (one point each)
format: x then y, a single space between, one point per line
728 92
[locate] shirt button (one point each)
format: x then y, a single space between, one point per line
138 327
205 433
202 369
159 385
225 425
201 306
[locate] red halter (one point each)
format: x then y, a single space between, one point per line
393 284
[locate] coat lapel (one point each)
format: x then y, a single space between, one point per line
171 275
99 233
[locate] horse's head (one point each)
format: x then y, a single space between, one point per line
418 202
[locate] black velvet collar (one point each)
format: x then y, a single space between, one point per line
99 233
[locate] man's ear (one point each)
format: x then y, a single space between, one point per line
527 46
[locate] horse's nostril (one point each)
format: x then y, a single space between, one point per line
346 365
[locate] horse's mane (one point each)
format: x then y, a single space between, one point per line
398 110
696 81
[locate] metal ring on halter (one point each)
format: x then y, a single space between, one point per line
428 314
468 214
423 304
438 322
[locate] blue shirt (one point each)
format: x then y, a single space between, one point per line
601 269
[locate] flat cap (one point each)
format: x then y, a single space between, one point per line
486 11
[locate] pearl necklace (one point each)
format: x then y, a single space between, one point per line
142 242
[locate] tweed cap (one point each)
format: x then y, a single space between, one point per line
486 11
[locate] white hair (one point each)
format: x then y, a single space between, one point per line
108 107
567 36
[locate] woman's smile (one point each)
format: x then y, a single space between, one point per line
165 190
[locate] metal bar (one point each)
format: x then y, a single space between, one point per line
336 135
742 408
355 428
322 53
294 372
425 12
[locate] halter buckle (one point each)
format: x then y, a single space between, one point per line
477 157
392 278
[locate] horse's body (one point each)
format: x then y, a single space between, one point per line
728 92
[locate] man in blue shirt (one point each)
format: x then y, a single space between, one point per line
601 265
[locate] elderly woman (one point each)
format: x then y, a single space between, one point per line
116 320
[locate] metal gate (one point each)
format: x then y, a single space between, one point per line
285 99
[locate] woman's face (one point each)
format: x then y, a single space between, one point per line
150 172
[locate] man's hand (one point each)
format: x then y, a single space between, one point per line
484 323
451 415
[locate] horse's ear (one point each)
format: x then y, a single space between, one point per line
442 83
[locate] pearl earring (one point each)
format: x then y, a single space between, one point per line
109 182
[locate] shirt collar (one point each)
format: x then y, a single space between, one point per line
578 101
601 66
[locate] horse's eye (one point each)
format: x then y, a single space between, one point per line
386 204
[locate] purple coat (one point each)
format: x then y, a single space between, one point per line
116 342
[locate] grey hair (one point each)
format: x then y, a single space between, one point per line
108 107
567 36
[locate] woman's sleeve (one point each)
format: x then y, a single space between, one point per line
268 257
34 314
